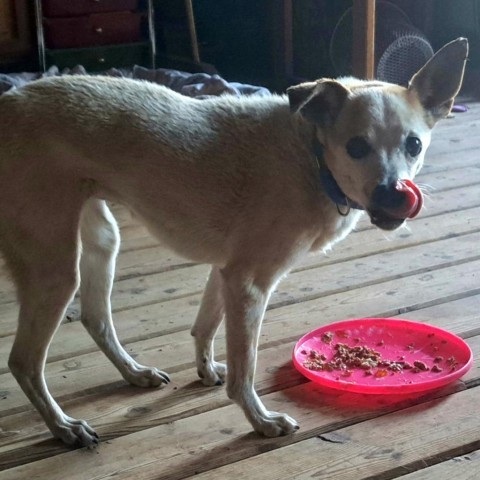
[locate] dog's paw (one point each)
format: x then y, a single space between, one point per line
146 376
212 373
276 424
75 433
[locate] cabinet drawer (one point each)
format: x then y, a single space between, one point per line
95 29
67 8
101 58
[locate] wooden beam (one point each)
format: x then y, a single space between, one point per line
193 31
364 38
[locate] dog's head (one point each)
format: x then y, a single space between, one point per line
374 134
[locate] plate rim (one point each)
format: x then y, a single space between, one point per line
345 385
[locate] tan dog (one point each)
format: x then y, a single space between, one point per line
248 185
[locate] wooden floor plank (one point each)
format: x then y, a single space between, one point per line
112 411
185 447
465 467
384 447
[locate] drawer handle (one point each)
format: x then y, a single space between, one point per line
99 30
101 60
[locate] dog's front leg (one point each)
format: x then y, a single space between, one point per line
246 299
208 319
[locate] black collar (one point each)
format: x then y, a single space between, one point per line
329 184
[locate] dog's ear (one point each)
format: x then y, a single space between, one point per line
319 102
439 80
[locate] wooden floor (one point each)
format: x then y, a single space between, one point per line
429 272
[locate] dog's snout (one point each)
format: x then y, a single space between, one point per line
400 199
387 197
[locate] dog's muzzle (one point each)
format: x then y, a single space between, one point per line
391 204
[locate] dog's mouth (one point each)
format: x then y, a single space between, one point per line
384 221
392 204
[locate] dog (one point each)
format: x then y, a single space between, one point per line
248 185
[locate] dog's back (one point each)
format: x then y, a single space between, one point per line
199 162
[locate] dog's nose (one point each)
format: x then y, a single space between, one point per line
399 199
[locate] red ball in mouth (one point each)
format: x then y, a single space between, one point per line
393 204
413 199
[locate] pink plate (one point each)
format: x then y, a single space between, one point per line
396 340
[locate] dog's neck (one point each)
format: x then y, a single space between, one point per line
330 185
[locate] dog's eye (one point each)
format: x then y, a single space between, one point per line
413 146
357 147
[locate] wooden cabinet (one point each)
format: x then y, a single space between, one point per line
98 34
15 35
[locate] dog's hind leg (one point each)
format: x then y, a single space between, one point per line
246 296
46 272
209 317
100 242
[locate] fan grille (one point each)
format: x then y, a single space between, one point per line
400 49
403 57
